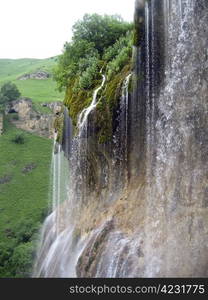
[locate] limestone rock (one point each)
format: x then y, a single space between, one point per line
36 75
30 120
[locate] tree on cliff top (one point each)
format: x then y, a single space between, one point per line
102 31
81 57
8 93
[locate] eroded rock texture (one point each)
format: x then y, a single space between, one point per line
26 117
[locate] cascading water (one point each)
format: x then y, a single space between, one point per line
120 138
60 245
60 192
137 207
83 117
176 110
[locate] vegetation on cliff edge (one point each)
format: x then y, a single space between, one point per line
98 43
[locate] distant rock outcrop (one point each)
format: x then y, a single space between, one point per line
35 75
55 107
27 118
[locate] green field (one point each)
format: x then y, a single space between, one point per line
10 69
38 90
24 188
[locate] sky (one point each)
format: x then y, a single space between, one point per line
39 28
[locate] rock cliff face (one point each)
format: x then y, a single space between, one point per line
27 118
172 106
137 205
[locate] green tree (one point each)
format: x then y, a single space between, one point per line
103 31
81 58
21 260
8 93
68 62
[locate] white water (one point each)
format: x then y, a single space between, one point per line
60 175
123 126
58 254
82 120
125 100
60 193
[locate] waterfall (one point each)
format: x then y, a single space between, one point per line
137 205
176 109
53 223
125 108
83 117
67 135
61 245
122 131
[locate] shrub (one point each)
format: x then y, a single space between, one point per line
18 139
22 259
25 230
91 72
91 37
118 55
9 92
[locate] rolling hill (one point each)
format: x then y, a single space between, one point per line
38 90
24 170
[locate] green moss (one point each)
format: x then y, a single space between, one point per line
59 125
138 30
108 103
77 100
131 85
136 36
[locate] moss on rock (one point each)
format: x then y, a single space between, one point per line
76 100
59 125
107 105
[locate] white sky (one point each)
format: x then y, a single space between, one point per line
39 28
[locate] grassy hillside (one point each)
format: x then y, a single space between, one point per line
38 90
10 69
24 186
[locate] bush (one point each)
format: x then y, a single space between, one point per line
22 259
119 62
18 139
25 230
112 51
5 253
9 92
103 31
91 37
118 55
89 74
